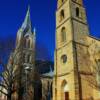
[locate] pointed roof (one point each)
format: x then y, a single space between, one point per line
50 73
27 21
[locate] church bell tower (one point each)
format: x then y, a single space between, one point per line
25 60
71 51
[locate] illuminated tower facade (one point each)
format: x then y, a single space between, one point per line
74 71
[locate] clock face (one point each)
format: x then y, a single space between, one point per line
64 58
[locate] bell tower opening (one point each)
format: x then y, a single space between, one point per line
77 12
62 15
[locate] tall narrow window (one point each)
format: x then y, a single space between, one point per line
24 43
77 12
28 58
63 34
28 43
62 15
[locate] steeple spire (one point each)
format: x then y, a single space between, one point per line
27 21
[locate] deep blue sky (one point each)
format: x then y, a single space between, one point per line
12 13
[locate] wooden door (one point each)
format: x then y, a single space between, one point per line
66 95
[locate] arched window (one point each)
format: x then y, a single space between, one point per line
77 12
63 34
62 15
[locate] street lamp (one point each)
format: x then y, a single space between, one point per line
27 69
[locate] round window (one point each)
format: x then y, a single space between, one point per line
64 58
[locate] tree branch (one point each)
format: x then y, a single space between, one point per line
3 86
3 92
4 79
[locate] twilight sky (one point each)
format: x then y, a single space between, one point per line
12 13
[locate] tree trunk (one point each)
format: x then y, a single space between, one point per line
9 97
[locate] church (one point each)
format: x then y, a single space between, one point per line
30 83
77 55
76 74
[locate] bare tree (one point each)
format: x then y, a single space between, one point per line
6 80
8 76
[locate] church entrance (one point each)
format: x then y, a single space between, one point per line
65 91
66 95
